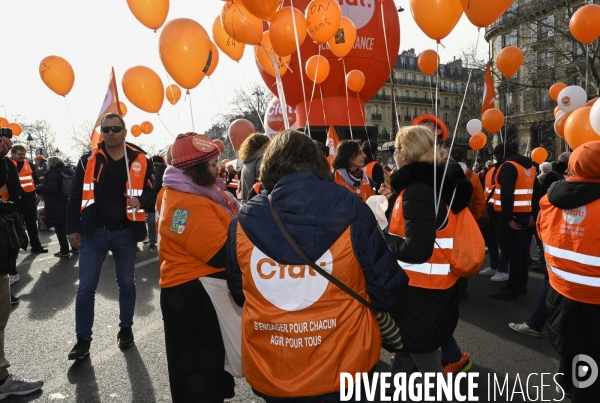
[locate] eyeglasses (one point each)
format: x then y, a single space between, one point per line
107 129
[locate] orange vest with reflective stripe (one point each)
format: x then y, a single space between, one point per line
523 189
298 330
571 238
489 177
369 168
25 176
364 191
256 187
137 173
234 184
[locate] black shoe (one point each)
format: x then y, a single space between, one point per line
80 350
504 293
62 254
125 337
39 250
73 250
14 300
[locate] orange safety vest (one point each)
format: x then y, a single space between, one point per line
364 191
256 187
369 168
293 315
571 238
26 178
137 173
523 189
489 186
449 260
234 184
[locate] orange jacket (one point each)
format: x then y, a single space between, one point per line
478 198
192 229
571 238
299 331
26 178
369 168
490 184
523 189
364 191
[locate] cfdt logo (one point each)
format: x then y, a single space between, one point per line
359 11
575 215
289 287
585 371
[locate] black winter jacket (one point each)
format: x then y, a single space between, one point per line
427 318
55 202
13 183
9 245
85 222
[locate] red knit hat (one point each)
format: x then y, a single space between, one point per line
585 161
191 149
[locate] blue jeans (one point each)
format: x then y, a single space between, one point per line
493 237
538 318
91 257
151 224
450 351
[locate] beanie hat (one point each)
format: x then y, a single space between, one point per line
546 167
192 149
584 161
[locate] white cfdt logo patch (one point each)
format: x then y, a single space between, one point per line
575 215
289 287
359 11
585 371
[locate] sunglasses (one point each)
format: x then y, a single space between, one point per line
107 129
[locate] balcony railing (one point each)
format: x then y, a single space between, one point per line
381 97
415 100
376 116
531 7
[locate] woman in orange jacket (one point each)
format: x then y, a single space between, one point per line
349 169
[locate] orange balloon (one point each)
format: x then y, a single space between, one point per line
509 61
143 88
240 24
282 30
493 120
263 9
478 141
556 110
151 13
229 46
436 18
146 127
136 130
585 23
555 90
539 155
317 68
123 109
355 80
238 131
428 61
185 51
265 55
16 128
215 60
560 124
591 102
57 74
323 18
578 129
173 94
4 122
482 13
344 39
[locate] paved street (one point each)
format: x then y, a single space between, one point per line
40 333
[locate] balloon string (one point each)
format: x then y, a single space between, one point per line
191 111
71 117
312 95
366 131
431 94
437 82
587 65
347 102
163 123
169 87
323 109
307 123
507 112
281 95
220 109
387 52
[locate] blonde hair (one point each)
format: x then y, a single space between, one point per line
418 142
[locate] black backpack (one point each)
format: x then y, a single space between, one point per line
66 183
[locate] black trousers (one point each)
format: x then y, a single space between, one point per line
517 243
195 351
28 211
61 234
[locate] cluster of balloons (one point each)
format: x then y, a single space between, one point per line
15 127
144 127
492 120
575 114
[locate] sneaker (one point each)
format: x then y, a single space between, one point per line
60 254
488 271
464 365
125 337
80 350
504 293
498 277
523 328
14 300
13 279
15 385
39 250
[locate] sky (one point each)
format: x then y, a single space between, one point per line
95 35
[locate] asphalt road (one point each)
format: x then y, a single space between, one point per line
40 333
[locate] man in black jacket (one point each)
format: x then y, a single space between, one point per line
558 171
104 214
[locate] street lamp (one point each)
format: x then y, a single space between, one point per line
29 140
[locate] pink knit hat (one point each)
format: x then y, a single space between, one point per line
191 149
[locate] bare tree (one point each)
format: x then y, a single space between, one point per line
251 103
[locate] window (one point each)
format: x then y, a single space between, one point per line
404 77
406 93
547 27
416 94
452 87
455 101
533 61
425 95
411 63
442 71
451 71
414 78
416 113
403 63
533 31
407 112
446 118
446 102
395 93
499 42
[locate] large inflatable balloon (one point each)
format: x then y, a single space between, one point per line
282 32
238 131
240 24
274 122
368 55
229 46
185 51
482 13
151 13
509 61
436 18
57 74
143 88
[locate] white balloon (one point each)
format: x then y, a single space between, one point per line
474 126
555 128
559 114
571 98
595 117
